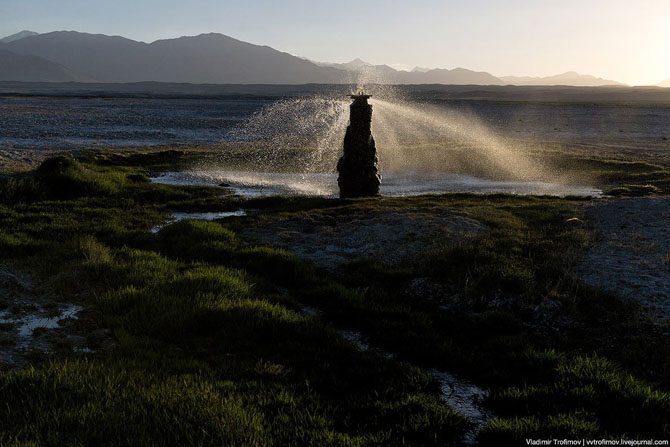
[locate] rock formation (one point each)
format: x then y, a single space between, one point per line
359 175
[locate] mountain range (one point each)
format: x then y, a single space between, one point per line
570 78
383 74
63 56
25 67
18 36
208 58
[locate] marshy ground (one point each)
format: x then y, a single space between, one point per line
430 320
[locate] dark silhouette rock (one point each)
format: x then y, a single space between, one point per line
359 176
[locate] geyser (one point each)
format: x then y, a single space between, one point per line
359 176
292 146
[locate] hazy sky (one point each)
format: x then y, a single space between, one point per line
625 40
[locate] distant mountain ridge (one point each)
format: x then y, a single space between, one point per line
33 69
20 35
213 59
570 78
208 58
384 74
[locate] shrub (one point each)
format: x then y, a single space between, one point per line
18 244
93 251
197 240
278 265
60 177
65 178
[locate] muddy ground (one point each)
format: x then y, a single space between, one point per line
631 255
18 160
389 236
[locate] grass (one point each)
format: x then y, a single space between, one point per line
494 332
626 172
205 355
212 349
89 402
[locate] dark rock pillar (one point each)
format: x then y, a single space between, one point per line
359 176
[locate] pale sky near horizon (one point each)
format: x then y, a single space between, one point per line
624 40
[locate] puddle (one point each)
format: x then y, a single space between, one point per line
177 216
355 338
32 329
27 324
34 325
311 311
464 397
259 184
83 350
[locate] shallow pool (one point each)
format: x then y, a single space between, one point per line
258 184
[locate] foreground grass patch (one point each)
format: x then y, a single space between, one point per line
206 353
505 309
123 402
212 347
588 396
